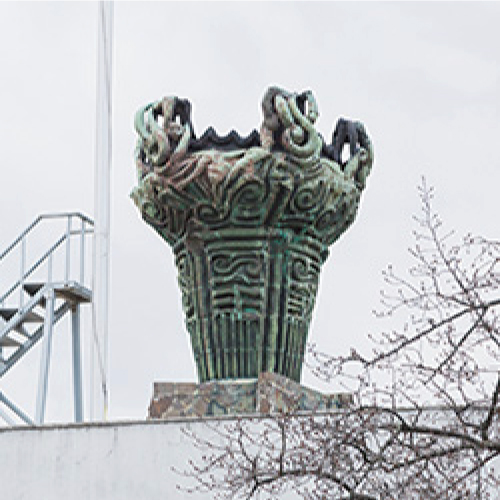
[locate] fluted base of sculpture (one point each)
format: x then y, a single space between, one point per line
248 295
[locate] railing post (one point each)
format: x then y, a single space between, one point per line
68 250
46 348
82 253
23 265
77 364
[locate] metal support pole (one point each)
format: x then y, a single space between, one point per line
91 372
23 265
77 363
82 253
46 348
100 288
68 250
2 323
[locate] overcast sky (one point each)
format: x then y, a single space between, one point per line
424 79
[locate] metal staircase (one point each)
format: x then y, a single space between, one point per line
46 290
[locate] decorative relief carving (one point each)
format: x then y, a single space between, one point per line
250 221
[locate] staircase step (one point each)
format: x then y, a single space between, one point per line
73 292
32 289
8 313
8 342
22 331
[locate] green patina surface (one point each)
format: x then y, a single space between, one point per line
249 226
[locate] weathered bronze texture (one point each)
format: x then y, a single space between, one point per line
250 221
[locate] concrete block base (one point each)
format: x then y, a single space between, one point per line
269 393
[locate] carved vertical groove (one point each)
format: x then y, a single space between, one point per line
250 221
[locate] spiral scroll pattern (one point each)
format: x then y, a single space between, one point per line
250 221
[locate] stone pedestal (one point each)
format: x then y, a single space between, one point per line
269 393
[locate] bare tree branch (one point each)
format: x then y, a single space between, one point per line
426 418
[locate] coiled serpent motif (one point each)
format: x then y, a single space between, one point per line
250 221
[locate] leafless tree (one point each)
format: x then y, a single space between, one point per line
425 422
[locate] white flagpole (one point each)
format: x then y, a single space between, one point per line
101 250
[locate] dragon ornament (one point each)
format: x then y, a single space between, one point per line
250 220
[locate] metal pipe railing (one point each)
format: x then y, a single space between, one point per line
40 218
68 250
82 252
33 268
23 264
22 241
20 237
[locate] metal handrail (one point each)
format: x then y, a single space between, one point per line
33 268
78 227
56 215
82 232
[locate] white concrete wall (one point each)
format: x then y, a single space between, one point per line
115 461
124 461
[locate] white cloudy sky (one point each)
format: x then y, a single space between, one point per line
424 78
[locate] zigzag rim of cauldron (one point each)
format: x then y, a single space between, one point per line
233 141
